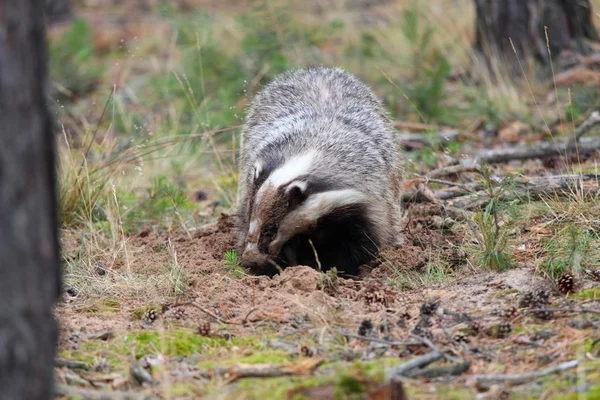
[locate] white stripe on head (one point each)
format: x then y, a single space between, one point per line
293 168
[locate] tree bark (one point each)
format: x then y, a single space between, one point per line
568 24
57 10
29 256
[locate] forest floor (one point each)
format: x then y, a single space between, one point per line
496 293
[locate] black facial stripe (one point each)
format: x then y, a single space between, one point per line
314 184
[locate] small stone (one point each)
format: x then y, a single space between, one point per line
580 323
542 334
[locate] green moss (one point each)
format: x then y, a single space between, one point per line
587 294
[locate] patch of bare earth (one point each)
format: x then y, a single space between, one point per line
474 316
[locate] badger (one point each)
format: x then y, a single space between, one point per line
320 175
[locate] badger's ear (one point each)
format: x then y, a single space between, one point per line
296 192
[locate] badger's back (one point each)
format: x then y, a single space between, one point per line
323 128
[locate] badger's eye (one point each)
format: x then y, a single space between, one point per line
296 193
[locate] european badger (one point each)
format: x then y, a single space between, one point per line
320 177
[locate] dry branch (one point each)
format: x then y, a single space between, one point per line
72 391
436 372
592 120
417 362
71 364
240 371
536 150
532 188
486 381
444 136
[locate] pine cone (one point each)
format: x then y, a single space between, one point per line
204 329
461 337
499 331
510 312
526 300
541 297
376 297
566 283
428 308
179 313
365 328
475 327
150 315
543 314
306 351
593 273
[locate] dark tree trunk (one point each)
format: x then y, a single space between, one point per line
57 10
29 257
524 22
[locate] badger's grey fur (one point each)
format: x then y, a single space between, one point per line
320 172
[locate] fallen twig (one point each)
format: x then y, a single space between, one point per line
592 120
417 362
531 188
536 150
376 340
88 394
211 314
140 374
569 310
436 372
453 170
486 381
430 344
447 135
304 367
71 364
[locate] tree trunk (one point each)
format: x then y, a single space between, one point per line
57 10
29 257
568 24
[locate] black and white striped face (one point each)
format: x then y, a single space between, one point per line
289 200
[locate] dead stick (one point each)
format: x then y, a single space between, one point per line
486 381
205 311
71 391
417 362
569 310
376 340
592 120
453 170
430 344
536 150
436 372
532 189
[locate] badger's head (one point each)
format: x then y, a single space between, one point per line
290 201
